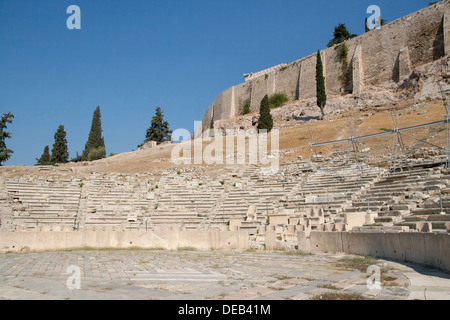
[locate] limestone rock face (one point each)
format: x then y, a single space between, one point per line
409 52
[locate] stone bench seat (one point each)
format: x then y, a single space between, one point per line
46 211
380 228
337 195
113 203
427 211
175 215
44 192
238 203
107 197
388 193
60 205
437 226
392 213
105 220
242 199
411 181
345 180
103 226
431 218
191 204
233 211
375 198
169 219
191 200
402 190
364 204
192 197
337 185
388 220
45 221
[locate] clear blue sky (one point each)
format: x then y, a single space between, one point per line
131 56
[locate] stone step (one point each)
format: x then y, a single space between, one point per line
426 211
387 219
429 218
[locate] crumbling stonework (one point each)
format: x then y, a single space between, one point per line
377 58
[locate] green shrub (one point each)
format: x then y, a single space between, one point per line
277 100
96 154
342 54
246 108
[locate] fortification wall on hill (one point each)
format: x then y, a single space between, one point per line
375 58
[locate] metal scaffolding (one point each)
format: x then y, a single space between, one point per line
398 145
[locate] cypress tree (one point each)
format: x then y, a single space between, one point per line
95 146
5 153
60 152
320 85
265 121
45 157
159 129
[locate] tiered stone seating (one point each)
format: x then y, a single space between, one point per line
333 190
263 194
5 208
116 202
400 193
321 196
433 214
41 202
185 202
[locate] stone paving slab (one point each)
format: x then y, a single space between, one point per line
197 275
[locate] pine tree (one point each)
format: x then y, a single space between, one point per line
60 152
265 121
340 35
45 157
5 153
320 85
95 146
159 129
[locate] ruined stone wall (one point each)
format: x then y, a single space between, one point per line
375 58
169 240
429 249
